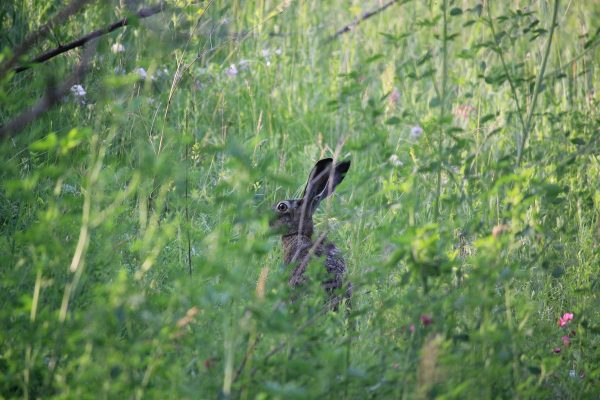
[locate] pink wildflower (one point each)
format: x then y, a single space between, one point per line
564 320
556 350
463 111
426 320
566 341
394 96
412 328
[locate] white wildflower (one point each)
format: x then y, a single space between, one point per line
78 90
117 48
265 53
162 72
278 52
395 161
141 72
231 71
416 132
572 373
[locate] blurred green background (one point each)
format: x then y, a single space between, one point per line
137 261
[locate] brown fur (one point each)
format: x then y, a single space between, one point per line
294 218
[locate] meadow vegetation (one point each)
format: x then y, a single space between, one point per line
136 255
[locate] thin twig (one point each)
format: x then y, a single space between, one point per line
358 20
438 192
536 89
326 307
251 346
572 60
187 199
143 13
42 32
53 95
511 83
177 77
283 343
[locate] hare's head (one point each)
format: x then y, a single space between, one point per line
294 216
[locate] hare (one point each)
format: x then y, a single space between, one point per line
294 220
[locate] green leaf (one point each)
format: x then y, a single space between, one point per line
45 144
374 58
454 129
593 40
487 118
73 138
424 58
435 102
478 9
456 11
116 81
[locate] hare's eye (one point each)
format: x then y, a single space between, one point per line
282 207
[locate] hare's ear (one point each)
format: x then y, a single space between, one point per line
323 180
335 178
317 180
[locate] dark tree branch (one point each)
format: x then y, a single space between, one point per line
55 93
52 96
60 17
143 13
360 19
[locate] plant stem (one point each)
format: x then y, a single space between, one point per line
513 346
536 89
187 197
442 106
498 49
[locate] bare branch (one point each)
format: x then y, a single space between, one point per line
60 17
143 13
358 20
53 95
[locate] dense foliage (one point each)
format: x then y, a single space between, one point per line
137 259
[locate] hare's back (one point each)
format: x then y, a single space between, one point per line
334 261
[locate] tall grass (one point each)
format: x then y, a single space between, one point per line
137 257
